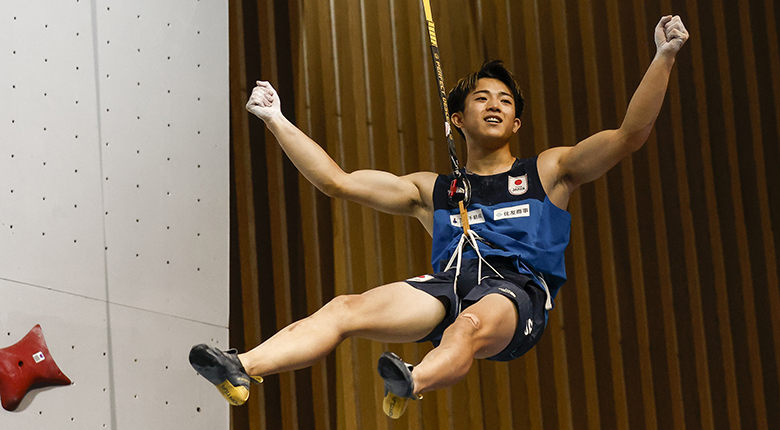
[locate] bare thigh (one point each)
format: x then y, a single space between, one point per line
394 313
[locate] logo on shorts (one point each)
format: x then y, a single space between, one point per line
508 291
518 185
421 278
529 326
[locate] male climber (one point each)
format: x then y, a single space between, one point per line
494 282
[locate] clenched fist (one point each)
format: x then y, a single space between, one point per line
670 35
264 102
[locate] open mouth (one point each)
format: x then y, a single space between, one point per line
493 120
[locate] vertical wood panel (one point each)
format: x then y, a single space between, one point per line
537 112
716 248
687 220
378 65
352 154
604 285
623 219
568 136
246 243
672 262
315 225
277 208
579 244
767 242
643 326
743 252
773 270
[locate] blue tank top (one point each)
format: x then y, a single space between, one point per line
512 212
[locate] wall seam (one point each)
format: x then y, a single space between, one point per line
109 342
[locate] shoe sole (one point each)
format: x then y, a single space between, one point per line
236 396
394 406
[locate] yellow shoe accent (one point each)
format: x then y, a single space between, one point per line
258 379
236 396
395 406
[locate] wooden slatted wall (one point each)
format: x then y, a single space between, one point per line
671 316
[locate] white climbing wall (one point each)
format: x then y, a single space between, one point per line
114 205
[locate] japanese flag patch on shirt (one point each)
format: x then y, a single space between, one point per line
518 185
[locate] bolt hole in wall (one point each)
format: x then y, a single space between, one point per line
96 128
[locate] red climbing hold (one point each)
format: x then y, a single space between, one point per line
26 365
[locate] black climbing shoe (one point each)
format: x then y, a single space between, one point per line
399 387
224 370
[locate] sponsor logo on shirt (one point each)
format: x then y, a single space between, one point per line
475 217
518 185
512 212
508 291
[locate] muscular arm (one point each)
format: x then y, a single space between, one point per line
406 195
569 167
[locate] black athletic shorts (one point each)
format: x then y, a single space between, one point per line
528 297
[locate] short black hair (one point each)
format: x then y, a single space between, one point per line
456 99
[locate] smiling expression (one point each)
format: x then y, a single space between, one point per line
489 113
